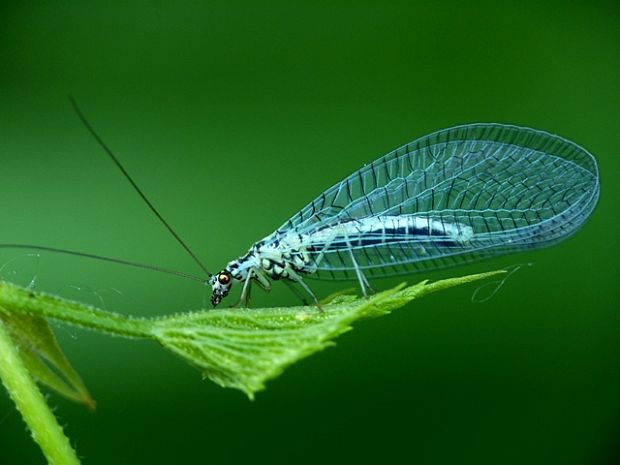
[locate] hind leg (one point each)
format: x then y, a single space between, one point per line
363 282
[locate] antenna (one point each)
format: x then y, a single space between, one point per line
102 258
135 186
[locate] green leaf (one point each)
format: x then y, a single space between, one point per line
43 357
237 348
243 349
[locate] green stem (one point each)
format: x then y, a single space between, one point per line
30 402
48 306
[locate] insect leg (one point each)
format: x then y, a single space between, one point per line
360 276
262 280
298 279
328 243
295 291
364 285
245 292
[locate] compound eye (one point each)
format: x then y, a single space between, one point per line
224 279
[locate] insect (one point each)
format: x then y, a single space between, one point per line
452 197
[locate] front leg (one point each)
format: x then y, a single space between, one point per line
244 298
262 280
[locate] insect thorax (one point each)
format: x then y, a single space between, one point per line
278 257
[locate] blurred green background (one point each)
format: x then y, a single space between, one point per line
231 116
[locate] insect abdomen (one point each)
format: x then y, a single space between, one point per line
385 230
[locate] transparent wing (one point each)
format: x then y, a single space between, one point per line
516 188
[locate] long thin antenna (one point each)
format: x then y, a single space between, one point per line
134 185
102 258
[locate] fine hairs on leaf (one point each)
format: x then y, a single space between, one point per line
236 348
